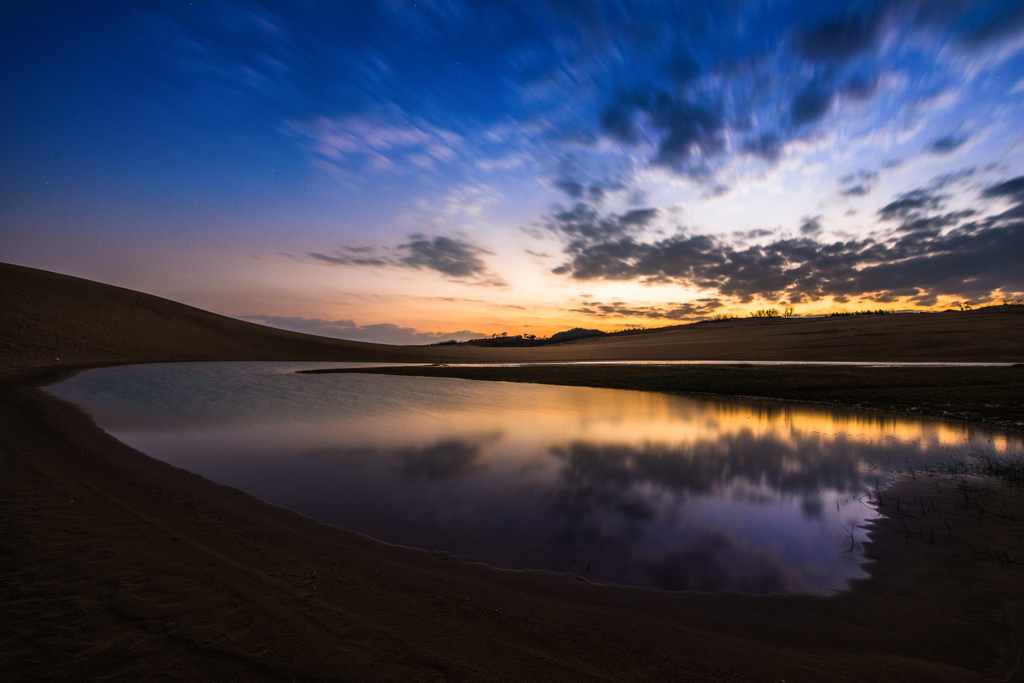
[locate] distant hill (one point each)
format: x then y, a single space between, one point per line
52 320
529 340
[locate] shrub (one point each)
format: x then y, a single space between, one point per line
766 313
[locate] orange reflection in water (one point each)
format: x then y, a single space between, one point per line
540 414
652 489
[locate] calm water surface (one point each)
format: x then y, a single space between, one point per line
620 486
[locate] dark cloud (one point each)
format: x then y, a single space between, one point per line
858 184
910 203
946 144
381 333
688 134
931 226
453 257
975 25
811 104
716 190
965 260
697 112
682 66
767 146
671 311
860 88
693 124
639 218
858 190
352 256
840 38
626 259
582 223
458 259
1013 189
617 119
571 187
941 181
863 175
927 255
689 131
1001 22
753 234
581 177
811 225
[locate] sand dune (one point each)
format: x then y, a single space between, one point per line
115 565
45 317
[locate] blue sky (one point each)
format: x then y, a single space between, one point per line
413 171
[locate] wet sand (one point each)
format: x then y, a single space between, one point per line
114 564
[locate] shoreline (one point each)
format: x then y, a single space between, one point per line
171 574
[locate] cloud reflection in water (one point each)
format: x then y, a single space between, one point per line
645 489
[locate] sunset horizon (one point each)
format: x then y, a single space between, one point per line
421 172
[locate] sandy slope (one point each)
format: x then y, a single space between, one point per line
45 317
115 565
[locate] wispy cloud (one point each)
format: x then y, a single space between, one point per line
392 140
380 333
690 310
229 51
841 37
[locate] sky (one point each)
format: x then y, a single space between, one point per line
411 172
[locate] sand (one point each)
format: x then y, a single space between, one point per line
116 565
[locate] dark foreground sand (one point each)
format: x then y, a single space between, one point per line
115 565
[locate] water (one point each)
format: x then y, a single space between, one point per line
838 363
619 486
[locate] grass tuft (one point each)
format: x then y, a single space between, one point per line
1010 470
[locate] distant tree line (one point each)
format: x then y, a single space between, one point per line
504 339
841 314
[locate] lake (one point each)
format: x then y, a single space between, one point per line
616 486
